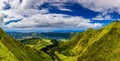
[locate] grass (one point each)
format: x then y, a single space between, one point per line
91 45
94 45
19 52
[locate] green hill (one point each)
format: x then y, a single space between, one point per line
12 50
37 43
93 45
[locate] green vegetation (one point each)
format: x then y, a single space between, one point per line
91 45
12 50
95 45
37 42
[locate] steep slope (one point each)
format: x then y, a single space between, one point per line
103 46
75 41
95 45
91 45
12 50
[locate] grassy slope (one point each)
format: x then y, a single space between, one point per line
105 47
94 45
37 43
13 50
91 45
6 57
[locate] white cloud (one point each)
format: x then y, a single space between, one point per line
28 4
22 4
101 5
19 14
27 10
55 21
64 9
102 17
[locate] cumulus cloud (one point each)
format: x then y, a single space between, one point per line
108 6
32 17
21 14
99 5
54 20
102 17
28 4
22 4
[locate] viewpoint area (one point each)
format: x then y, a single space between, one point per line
59 30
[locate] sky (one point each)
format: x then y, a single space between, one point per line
57 15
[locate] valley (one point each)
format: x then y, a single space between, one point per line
90 45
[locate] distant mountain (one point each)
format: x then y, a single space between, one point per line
12 50
50 35
93 45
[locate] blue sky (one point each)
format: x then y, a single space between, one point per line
57 15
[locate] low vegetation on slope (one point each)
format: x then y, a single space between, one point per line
91 45
94 45
12 50
37 43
